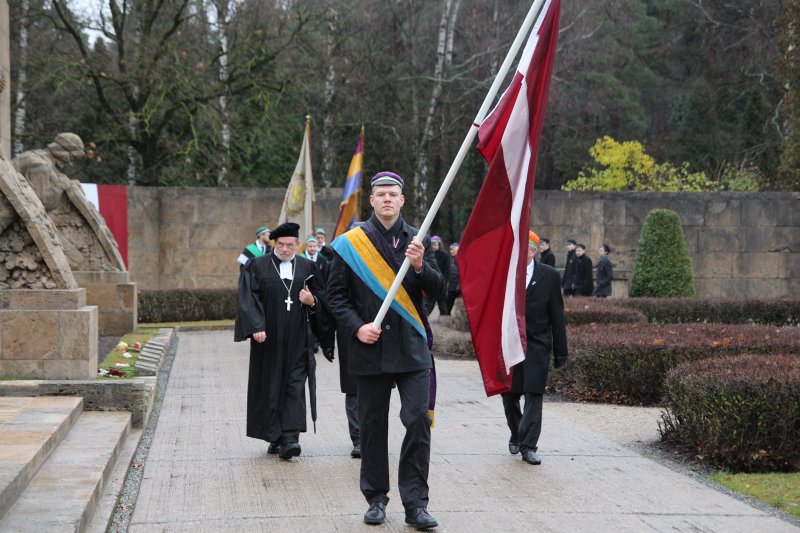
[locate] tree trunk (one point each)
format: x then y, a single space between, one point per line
22 75
225 135
328 152
443 58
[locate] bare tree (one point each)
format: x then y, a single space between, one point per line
444 55
22 78
157 77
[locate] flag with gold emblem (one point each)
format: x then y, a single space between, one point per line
299 202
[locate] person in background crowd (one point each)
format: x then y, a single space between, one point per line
546 332
582 283
568 280
444 262
605 273
328 339
257 249
453 280
324 250
312 253
546 256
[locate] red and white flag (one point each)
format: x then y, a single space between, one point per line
492 256
112 203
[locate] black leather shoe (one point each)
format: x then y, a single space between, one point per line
356 452
530 457
376 513
289 450
513 447
420 519
274 448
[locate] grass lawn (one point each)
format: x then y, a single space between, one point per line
779 490
204 323
142 334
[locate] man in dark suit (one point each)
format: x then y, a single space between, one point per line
546 255
546 332
582 283
569 269
397 353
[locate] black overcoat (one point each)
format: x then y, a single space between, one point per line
569 271
582 282
605 274
545 331
548 258
262 307
400 347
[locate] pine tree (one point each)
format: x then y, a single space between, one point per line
662 267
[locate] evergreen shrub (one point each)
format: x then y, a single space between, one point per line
741 413
627 363
187 305
661 266
774 311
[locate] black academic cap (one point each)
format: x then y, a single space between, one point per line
287 229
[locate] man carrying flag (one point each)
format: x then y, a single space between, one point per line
395 354
493 284
545 331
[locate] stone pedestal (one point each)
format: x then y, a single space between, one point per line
47 334
115 297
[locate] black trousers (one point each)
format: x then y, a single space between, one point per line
525 426
351 409
451 299
374 395
291 415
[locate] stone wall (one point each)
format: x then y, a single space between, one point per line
190 237
741 244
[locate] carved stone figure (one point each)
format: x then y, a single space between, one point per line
87 241
31 256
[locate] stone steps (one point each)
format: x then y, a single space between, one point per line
30 429
64 494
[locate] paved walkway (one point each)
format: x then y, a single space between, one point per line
203 474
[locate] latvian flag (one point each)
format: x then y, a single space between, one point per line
492 257
112 203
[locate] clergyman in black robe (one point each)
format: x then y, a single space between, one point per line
276 312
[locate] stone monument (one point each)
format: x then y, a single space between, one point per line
5 81
46 329
88 244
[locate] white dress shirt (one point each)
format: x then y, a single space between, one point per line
529 274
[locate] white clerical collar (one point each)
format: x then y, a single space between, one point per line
529 273
286 268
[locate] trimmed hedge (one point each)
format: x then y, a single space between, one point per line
579 311
187 305
627 363
775 311
576 311
661 266
741 413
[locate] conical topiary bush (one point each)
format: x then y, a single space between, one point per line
662 267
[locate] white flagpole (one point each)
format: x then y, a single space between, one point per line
462 153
